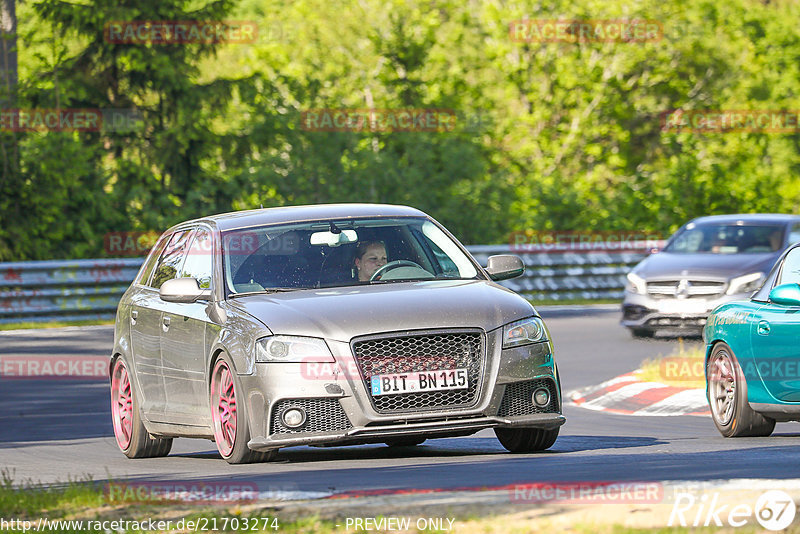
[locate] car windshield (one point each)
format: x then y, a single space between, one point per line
727 239
335 253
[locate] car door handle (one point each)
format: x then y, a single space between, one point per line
763 328
166 323
134 316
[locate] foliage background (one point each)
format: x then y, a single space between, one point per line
554 135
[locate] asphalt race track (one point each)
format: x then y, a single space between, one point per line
57 430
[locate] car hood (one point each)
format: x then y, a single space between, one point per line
722 266
345 312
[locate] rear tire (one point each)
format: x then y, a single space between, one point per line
229 416
526 439
132 437
726 388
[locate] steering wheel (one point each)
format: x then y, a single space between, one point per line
392 265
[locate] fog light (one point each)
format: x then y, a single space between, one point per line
541 397
294 417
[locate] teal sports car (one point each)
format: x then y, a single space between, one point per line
753 355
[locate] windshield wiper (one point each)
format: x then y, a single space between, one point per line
401 280
266 291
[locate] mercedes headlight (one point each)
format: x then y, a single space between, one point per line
292 349
745 284
636 284
523 332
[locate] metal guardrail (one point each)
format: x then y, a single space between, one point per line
90 289
63 290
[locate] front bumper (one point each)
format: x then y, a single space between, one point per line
427 429
341 412
643 312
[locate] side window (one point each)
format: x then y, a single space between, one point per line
198 262
150 262
794 234
170 260
790 272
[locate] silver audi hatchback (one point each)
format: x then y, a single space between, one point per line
326 325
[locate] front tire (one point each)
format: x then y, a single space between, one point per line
526 439
229 417
726 388
132 437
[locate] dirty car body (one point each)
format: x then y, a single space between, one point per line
253 329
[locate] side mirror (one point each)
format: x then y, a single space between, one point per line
504 266
184 290
786 294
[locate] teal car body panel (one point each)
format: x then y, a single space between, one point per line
732 323
764 335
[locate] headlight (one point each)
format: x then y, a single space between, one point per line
745 284
636 284
524 332
292 349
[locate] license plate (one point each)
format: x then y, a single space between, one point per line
419 382
688 306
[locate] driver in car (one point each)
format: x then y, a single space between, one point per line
370 256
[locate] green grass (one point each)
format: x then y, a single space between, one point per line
29 500
54 324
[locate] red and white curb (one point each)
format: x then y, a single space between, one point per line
629 395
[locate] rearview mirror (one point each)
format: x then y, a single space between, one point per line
786 294
331 239
184 290
504 266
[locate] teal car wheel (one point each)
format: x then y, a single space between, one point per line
727 397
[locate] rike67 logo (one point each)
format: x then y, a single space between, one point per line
773 510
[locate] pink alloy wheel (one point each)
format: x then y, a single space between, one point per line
121 405
223 403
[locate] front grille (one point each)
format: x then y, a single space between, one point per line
322 415
685 288
517 398
434 351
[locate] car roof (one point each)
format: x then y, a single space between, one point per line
290 214
748 218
